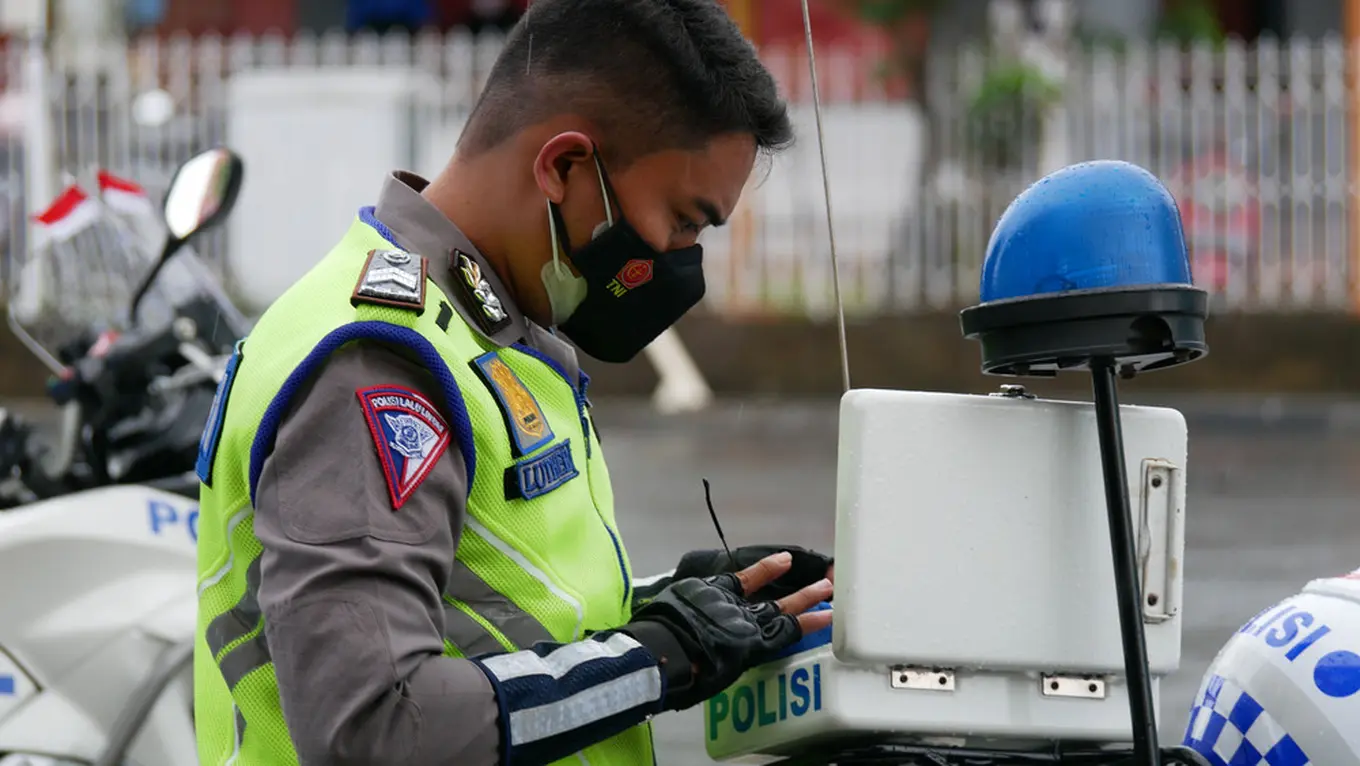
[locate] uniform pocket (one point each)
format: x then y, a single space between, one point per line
340 494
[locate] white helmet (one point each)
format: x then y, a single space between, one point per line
1285 691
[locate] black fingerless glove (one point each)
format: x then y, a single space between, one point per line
808 567
716 632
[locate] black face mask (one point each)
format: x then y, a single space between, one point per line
633 292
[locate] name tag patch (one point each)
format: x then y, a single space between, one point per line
212 432
540 475
529 429
409 435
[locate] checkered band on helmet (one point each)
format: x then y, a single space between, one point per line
1230 728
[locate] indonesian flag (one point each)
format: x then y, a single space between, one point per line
71 213
124 196
132 206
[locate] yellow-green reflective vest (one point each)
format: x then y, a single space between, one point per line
550 568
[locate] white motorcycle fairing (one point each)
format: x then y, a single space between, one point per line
96 588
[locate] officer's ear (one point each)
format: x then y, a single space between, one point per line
558 157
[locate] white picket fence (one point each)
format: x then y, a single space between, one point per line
1253 139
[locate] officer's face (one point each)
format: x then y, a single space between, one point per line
670 197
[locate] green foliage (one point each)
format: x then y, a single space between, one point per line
1006 114
888 12
1189 21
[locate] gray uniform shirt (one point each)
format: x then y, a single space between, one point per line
352 591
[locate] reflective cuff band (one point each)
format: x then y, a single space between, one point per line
558 699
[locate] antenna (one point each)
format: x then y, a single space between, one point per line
708 498
826 190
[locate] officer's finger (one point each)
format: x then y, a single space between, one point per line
764 572
805 599
811 622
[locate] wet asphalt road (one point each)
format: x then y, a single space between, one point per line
1272 488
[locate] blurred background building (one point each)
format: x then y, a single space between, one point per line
938 113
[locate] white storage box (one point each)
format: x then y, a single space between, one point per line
975 599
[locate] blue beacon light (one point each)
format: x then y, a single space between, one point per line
1088 270
1089 261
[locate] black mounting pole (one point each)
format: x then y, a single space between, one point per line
1124 550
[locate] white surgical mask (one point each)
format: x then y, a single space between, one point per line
565 290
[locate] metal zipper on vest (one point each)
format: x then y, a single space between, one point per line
582 403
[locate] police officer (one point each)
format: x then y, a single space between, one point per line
408 551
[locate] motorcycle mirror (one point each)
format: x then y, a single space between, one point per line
200 196
202 192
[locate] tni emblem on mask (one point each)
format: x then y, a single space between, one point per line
634 273
529 429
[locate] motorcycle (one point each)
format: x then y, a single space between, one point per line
134 384
97 636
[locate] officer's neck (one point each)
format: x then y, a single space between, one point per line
475 195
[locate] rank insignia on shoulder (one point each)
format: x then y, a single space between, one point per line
537 476
481 298
392 278
409 434
529 429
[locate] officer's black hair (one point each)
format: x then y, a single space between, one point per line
651 74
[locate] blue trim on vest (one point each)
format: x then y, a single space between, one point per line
371 330
212 432
368 215
544 358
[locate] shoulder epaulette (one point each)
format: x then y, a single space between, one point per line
392 278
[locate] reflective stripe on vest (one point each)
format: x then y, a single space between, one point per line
237 642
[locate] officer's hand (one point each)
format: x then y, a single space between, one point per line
808 567
722 634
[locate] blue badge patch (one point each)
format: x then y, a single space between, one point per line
529 429
409 435
212 431
540 475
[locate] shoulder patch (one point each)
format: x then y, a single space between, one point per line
392 278
481 299
529 429
539 475
217 414
409 435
